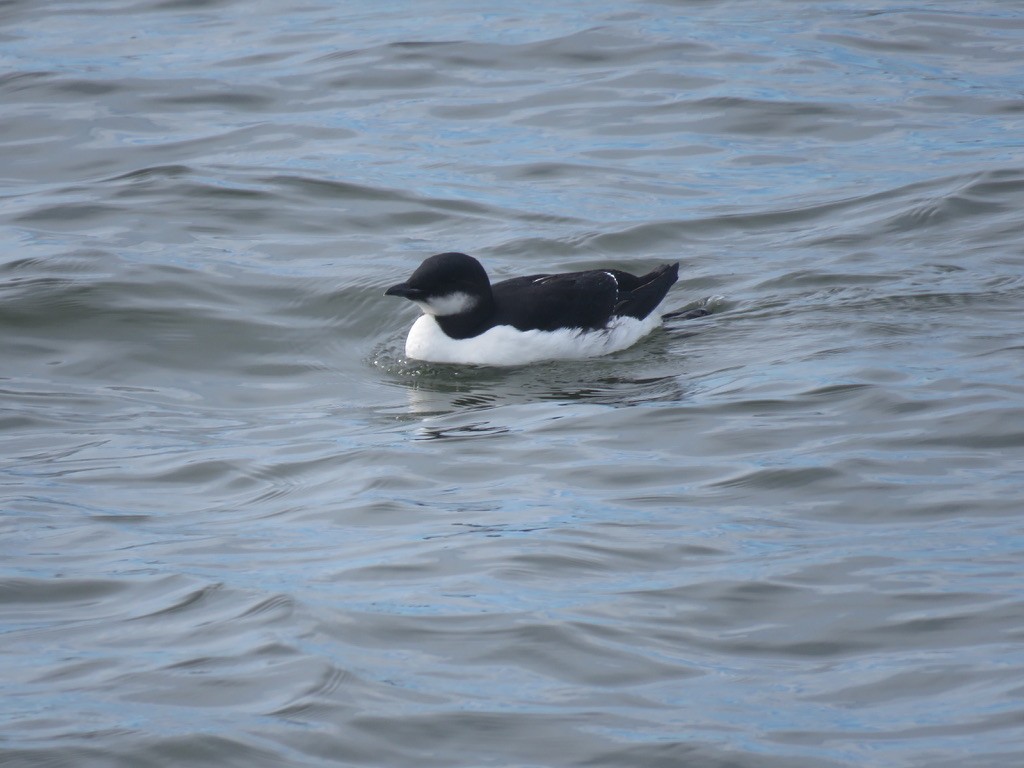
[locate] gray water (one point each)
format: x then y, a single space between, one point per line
240 529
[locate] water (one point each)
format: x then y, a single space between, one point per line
239 528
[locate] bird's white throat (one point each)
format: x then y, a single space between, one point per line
452 304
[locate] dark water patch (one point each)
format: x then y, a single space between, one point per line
214 96
12 82
67 214
87 88
837 122
593 48
32 591
153 174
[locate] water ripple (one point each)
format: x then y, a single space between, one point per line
241 528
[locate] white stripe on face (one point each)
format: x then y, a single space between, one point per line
452 304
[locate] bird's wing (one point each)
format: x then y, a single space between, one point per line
549 302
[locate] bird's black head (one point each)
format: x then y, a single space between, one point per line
446 284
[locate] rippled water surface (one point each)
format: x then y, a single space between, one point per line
240 528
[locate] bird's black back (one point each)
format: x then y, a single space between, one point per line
586 300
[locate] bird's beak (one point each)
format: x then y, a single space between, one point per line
406 292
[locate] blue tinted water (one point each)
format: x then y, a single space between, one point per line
238 527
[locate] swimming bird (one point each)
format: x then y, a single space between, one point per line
467 319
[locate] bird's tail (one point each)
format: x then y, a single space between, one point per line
646 292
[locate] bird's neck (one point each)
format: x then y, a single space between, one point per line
472 322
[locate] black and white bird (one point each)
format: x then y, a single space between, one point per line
571 315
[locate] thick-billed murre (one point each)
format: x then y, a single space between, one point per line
571 315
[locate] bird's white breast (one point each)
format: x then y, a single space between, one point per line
505 345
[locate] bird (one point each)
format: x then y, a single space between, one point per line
572 315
